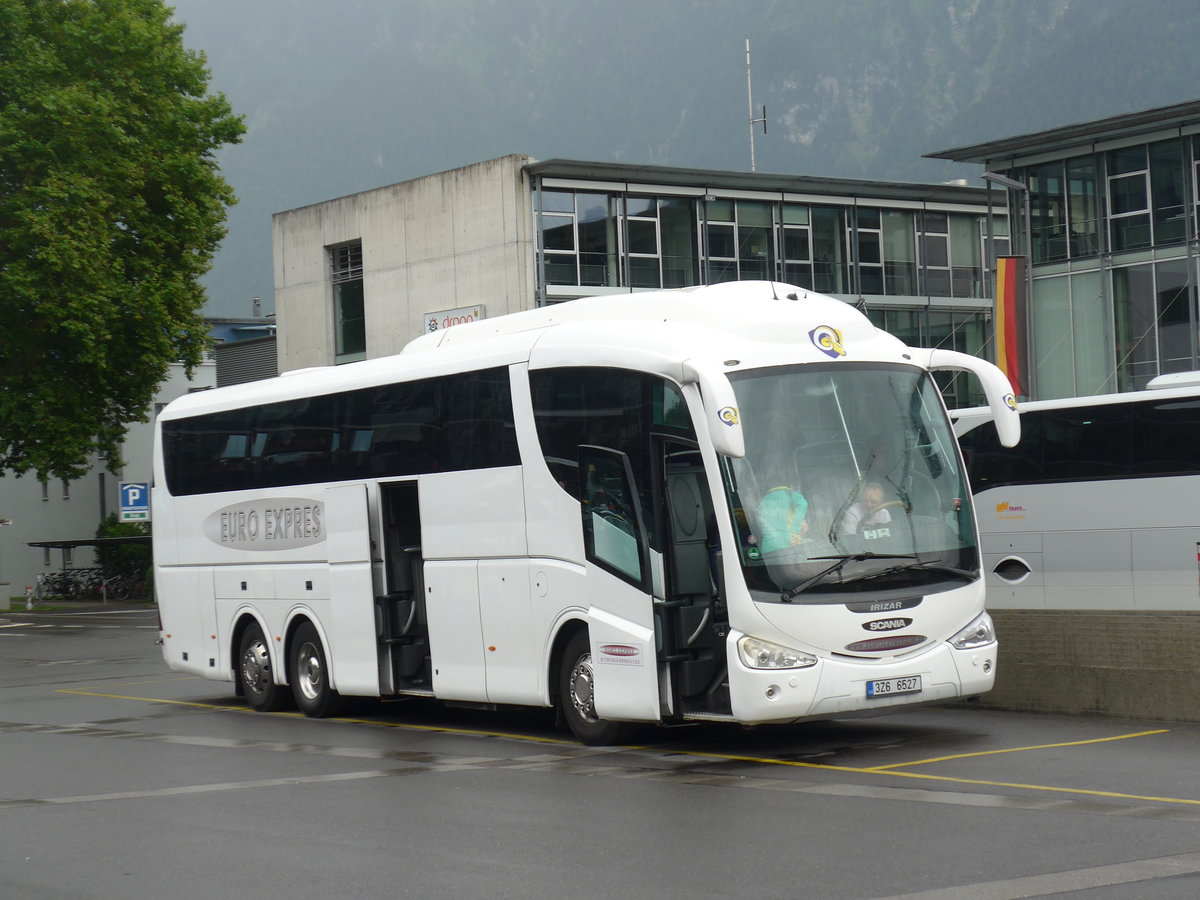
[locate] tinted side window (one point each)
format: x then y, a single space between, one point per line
209 453
1086 443
435 425
1166 438
295 441
478 428
603 407
1090 443
393 429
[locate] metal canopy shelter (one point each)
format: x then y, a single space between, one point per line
93 542
100 544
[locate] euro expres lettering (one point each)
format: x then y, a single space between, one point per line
258 525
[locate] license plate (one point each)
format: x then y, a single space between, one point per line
887 687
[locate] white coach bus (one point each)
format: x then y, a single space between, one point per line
1098 507
740 502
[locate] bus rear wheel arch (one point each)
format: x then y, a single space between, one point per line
308 670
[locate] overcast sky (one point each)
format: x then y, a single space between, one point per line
346 95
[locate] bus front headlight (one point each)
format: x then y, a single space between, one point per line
979 633
760 654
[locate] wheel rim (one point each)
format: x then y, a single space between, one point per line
580 688
309 673
256 667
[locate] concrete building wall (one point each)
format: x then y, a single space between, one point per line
48 512
445 241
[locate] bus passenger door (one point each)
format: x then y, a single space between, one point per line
620 605
693 620
351 626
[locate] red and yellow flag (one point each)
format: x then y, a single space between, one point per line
1010 318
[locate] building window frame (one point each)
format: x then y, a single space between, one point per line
795 246
349 309
868 249
1155 320
1168 169
934 253
643 232
731 224
1128 218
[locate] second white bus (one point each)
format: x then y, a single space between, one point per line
1098 506
568 507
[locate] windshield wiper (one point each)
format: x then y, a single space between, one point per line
926 566
839 561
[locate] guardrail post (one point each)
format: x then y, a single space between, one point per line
28 596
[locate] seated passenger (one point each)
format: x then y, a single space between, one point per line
781 522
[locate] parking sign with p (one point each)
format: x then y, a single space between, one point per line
135 501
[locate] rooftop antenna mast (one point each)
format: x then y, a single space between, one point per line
750 101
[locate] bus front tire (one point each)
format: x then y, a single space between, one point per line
576 695
310 675
255 672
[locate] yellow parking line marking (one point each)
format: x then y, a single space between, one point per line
938 759
758 760
407 726
768 761
1041 787
166 680
154 700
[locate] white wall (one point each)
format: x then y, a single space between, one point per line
74 513
445 241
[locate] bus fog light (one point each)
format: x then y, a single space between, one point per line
987 665
773 692
759 654
979 633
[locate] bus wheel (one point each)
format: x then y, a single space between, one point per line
576 697
310 675
254 664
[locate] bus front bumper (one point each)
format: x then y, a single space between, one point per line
834 687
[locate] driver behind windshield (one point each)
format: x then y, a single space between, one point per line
868 511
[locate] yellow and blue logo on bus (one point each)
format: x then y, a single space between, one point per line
828 340
728 415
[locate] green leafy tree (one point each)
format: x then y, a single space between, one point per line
111 206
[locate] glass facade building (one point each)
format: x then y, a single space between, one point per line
1106 213
914 256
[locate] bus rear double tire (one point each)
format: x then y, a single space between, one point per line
255 673
310 675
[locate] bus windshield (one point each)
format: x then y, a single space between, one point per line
851 485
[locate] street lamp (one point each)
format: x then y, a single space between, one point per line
1026 232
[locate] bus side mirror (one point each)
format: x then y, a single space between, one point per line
1001 402
720 407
